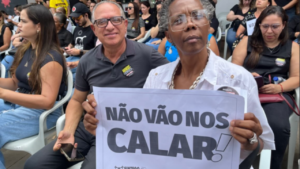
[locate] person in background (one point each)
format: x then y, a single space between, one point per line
84 38
92 5
294 28
88 3
148 18
38 78
53 4
236 15
169 50
136 26
289 6
254 14
155 34
15 20
214 23
5 36
270 53
7 18
45 3
64 36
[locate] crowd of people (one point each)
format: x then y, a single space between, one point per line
96 40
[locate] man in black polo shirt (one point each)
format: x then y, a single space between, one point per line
107 65
84 38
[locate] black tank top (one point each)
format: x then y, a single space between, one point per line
275 62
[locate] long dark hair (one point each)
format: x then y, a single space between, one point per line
46 41
136 8
257 42
252 4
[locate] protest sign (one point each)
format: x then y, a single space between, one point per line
156 129
250 26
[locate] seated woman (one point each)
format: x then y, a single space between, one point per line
270 52
5 35
64 36
136 26
252 16
38 75
200 69
236 15
170 52
214 22
294 28
149 19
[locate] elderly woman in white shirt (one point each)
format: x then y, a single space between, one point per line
186 24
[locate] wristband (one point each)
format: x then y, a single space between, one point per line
81 52
281 88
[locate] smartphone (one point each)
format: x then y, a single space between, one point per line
259 81
71 153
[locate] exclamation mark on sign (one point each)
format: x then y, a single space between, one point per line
223 143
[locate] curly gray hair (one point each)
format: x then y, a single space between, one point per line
164 13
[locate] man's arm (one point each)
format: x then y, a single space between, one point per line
74 111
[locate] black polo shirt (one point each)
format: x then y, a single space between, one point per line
130 71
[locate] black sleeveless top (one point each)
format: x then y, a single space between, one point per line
275 62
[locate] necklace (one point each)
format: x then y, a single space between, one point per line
272 49
172 85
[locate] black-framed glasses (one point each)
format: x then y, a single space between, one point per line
130 8
116 20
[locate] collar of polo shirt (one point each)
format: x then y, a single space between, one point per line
129 51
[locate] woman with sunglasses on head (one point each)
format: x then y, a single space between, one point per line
251 16
236 15
271 54
136 26
38 78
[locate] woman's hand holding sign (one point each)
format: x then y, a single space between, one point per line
90 122
244 130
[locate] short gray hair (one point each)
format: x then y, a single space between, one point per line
107 2
164 13
61 17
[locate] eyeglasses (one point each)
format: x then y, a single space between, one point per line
179 22
265 27
77 18
116 20
130 8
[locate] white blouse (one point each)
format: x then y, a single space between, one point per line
220 72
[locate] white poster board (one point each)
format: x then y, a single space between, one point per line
250 26
158 129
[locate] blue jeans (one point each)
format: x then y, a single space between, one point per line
73 59
230 38
17 122
149 43
7 62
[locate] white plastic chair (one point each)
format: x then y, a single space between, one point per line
225 43
10 45
222 18
147 35
59 127
294 122
35 143
3 71
219 34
